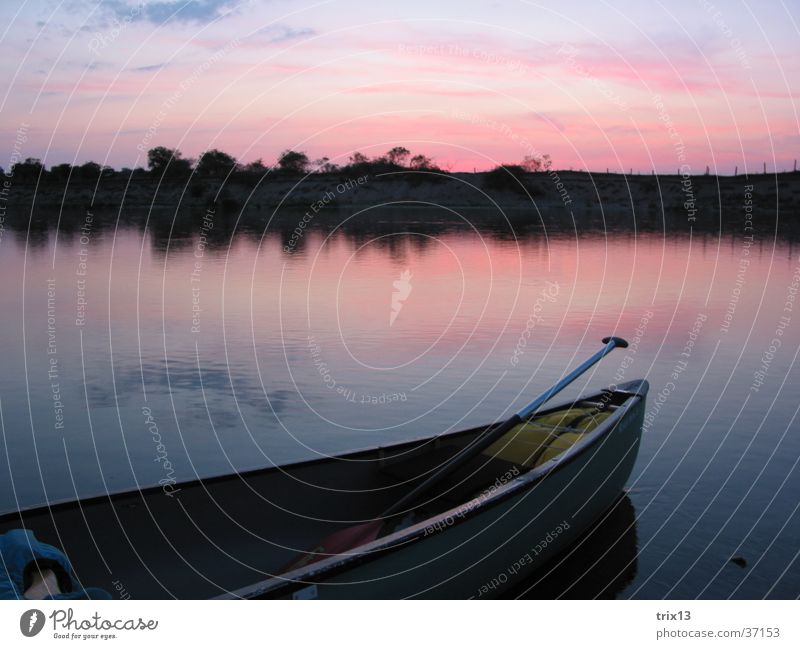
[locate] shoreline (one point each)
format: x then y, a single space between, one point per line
576 200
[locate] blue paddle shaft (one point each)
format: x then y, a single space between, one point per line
484 441
611 343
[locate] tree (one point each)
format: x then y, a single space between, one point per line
295 162
88 171
158 158
164 161
422 162
398 156
168 162
324 165
358 159
215 163
531 163
507 177
28 169
255 167
62 171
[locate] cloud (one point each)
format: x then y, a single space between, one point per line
197 11
398 87
550 120
149 68
180 11
283 33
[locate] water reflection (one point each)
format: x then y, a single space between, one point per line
599 565
169 228
716 474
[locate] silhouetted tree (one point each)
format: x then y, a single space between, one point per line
532 163
324 165
358 159
422 162
398 155
215 163
159 157
359 164
28 169
293 162
507 177
164 161
88 171
61 172
255 167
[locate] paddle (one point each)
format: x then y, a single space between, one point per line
351 537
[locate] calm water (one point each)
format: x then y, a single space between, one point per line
254 351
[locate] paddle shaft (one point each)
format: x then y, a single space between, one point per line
485 440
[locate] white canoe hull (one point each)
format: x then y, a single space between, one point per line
480 551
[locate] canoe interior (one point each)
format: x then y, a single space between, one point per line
216 535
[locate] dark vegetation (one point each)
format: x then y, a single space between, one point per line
216 179
181 189
167 164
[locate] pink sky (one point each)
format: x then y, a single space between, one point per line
471 84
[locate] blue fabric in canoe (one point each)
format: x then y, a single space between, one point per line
20 551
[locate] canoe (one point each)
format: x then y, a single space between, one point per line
493 523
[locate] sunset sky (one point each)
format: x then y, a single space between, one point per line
471 84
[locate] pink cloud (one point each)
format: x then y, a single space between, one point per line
419 89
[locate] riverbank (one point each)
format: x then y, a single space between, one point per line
574 200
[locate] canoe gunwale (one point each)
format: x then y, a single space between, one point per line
311 574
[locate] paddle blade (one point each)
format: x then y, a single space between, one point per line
337 543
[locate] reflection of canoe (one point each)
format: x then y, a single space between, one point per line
599 565
499 518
